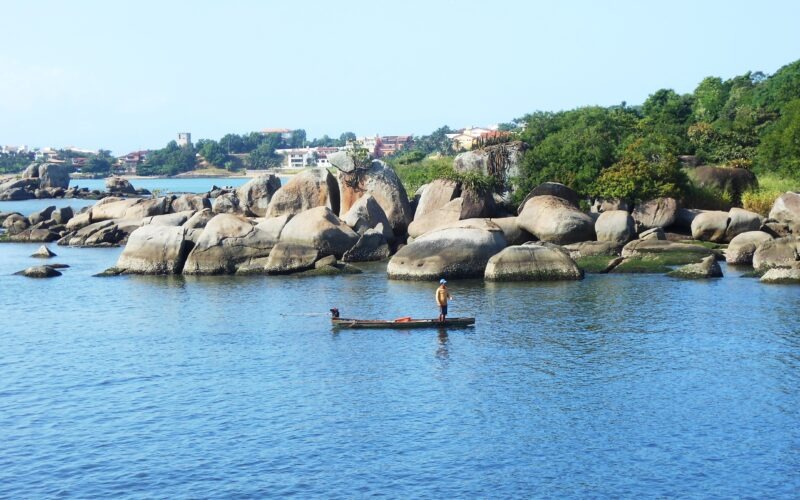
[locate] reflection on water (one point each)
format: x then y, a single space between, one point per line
616 386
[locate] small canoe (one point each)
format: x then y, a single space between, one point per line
402 323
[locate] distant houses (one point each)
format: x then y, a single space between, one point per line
467 138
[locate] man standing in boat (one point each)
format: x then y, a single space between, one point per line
442 296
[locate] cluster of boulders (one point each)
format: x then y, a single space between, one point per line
319 222
51 180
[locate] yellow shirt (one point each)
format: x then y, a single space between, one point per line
442 295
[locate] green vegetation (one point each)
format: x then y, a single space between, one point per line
415 174
13 163
641 265
631 152
172 160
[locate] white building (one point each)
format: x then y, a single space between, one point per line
306 157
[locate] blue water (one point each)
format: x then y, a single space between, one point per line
616 386
169 185
163 185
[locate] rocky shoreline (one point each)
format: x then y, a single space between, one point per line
322 223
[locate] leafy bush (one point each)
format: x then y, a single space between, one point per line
647 170
759 201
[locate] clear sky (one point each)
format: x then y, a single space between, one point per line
124 75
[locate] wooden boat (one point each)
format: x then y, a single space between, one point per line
402 323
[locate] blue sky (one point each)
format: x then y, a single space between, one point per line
128 75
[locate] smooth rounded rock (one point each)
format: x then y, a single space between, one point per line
555 220
742 247
534 261
616 226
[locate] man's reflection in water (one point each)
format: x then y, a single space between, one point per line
441 350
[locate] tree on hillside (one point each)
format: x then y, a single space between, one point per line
779 150
171 160
213 152
346 137
264 156
97 164
709 98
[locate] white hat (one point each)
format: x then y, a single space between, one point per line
442 281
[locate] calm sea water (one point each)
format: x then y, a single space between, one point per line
165 186
616 386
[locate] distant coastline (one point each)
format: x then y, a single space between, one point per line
221 174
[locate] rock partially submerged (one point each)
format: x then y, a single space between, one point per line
782 276
39 272
743 246
779 252
707 268
227 243
43 253
154 249
458 251
533 261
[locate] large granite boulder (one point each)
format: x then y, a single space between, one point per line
52 175
107 233
660 212
367 214
534 261
186 202
710 226
79 221
706 268
321 229
371 245
38 233
289 258
786 208
176 219
119 185
227 203
500 161
255 195
199 219
555 220
42 215
742 221
342 161
436 195
654 234
743 246
782 276
779 252
383 184
641 248
616 226
227 243
735 180
62 215
457 251
514 234
133 208
457 209
311 188
31 171
552 189
15 224
593 248
684 218
602 205
154 249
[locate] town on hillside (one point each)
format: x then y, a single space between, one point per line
268 149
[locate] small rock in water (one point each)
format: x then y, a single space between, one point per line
43 253
40 272
707 268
